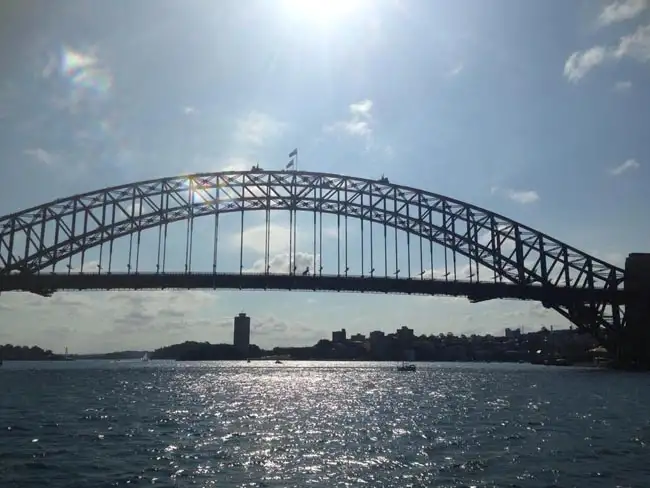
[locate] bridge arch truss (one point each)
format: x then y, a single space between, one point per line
36 239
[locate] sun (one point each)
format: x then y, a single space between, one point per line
322 11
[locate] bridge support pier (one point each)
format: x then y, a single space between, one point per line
634 345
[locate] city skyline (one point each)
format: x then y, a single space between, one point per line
478 103
224 327
242 339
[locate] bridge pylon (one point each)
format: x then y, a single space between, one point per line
634 344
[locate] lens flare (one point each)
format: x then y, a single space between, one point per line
322 11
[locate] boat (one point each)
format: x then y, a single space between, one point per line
406 367
145 357
66 356
277 361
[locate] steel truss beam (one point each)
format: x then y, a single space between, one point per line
512 251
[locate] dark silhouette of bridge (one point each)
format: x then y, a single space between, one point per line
386 238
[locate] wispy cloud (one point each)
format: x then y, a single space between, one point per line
117 317
254 238
358 122
257 128
236 164
361 109
622 10
280 263
523 197
581 63
629 165
456 70
520 196
622 86
51 66
42 156
635 46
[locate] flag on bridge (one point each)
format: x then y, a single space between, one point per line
293 159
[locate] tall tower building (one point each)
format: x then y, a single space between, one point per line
242 333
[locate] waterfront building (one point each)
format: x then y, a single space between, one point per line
378 344
513 333
339 335
405 335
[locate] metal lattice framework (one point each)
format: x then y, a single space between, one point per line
36 239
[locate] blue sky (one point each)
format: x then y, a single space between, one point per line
536 110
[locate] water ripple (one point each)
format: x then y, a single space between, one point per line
320 424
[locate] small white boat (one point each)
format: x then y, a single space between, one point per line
145 357
406 367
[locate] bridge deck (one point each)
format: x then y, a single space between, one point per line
476 291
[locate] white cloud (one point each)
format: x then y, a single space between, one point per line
42 156
361 109
88 267
266 330
621 10
622 86
520 196
359 121
580 63
629 165
255 239
279 263
257 129
105 321
524 197
506 245
635 46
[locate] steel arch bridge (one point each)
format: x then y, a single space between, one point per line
518 261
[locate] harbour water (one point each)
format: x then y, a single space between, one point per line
134 423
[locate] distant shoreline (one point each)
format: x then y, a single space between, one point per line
270 360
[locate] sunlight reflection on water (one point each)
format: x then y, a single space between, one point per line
215 424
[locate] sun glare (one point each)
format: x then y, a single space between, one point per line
322 11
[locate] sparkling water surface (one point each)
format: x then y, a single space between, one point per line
300 424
